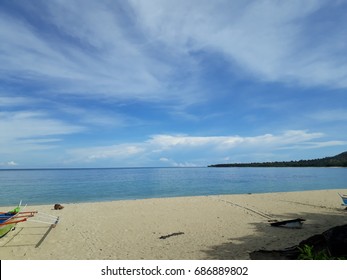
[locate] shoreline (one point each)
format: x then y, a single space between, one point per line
9 206
200 227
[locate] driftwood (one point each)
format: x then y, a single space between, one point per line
294 223
170 235
332 241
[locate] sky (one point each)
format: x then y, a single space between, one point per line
179 83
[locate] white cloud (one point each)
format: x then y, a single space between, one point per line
87 52
31 130
140 52
118 152
182 150
137 49
9 163
229 142
184 164
171 162
271 40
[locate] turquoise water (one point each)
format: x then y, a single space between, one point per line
49 186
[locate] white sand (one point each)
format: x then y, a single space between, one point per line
214 227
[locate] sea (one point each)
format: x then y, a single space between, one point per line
50 186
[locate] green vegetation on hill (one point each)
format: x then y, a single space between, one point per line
335 161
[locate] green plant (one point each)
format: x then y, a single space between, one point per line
307 253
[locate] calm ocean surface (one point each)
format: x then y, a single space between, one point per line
85 185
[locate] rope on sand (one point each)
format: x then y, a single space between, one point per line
262 214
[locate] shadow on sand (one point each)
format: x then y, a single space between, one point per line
26 237
268 238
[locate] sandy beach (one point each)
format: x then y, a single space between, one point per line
206 227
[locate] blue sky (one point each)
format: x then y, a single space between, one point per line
171 83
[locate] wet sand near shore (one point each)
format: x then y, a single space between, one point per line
205 227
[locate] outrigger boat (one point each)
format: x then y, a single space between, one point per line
9 220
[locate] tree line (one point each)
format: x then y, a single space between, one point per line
339 160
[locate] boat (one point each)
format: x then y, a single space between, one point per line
294 223
8 220
344 199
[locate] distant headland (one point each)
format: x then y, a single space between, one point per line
339 160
